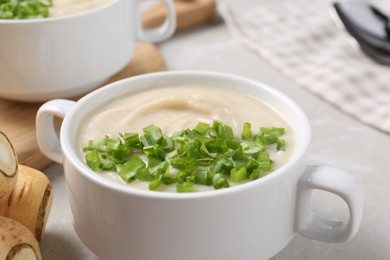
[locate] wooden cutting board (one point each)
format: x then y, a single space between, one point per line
17 120
189 13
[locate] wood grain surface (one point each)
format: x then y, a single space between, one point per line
189 13
17 120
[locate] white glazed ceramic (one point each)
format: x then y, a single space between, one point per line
59 57
251 221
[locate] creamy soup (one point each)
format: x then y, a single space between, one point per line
180 107
67 7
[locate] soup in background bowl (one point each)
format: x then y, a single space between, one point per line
25 9
254 220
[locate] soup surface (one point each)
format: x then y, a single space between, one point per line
67 7
26 9
180 107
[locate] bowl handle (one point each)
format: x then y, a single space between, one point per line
160 33
335 181
47 138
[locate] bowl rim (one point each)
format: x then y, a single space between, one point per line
41 20
71 156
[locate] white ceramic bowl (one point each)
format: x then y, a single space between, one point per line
250 221
42 59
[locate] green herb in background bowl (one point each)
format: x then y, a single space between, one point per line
24 9
205 155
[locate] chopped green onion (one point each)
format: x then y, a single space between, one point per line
122 151
23 9
216 146
238 174
181 175
168 180
186 164
264 156
201 177
204 161
251 165
190 134
222 165
280 145
206 155
219 181
144 174
167 145
239 157
113 144
201 128
278 131
220 130
131 139
153 161
194 151
267 138
151 150
254 175
233 145
185 187
88 146
154 132
160 169
153 185
131 167
147 140
107 166
265 166
93 160
246 132
253 149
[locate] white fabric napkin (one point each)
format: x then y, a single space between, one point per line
301 40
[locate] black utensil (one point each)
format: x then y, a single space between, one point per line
369 26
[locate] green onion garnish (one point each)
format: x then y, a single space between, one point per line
220 181
206 155
201 128
185 187
280 145
153 185
238 174
24 9
93 160
131 167
246 132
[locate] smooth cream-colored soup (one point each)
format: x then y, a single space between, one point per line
180 107
67 7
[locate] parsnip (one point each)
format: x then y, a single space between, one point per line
8 170
17 242
30 201
25 193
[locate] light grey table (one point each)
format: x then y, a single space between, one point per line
338 140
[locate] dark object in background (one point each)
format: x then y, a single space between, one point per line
369 26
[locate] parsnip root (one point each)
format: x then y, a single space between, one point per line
17 242
8 170
30 201
25 193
